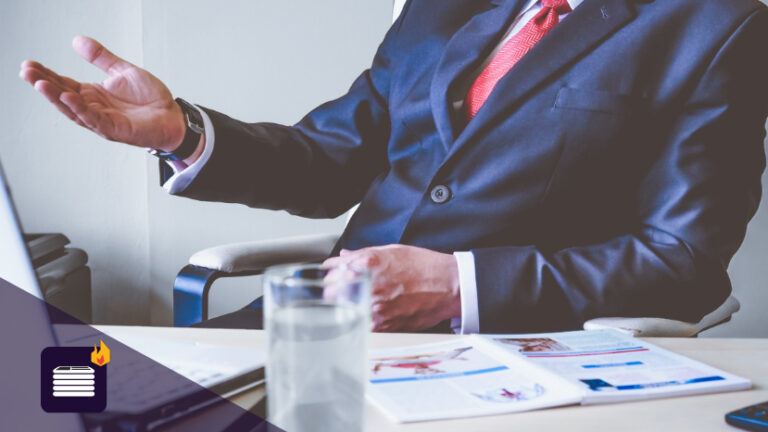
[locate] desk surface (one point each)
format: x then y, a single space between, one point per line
743 357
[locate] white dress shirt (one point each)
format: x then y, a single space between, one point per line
469 322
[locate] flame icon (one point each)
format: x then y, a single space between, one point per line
100 356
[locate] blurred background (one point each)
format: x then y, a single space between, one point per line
255 60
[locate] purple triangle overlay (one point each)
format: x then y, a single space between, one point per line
25 333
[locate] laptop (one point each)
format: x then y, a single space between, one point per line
209 369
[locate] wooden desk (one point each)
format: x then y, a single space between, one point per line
743 357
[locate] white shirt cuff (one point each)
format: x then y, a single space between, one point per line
470 314
182 178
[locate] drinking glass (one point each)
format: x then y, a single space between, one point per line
317 321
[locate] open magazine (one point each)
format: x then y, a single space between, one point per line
499 374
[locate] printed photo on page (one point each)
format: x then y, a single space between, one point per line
456 379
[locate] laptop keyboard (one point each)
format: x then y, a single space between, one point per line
137 383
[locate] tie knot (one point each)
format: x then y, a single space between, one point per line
560 6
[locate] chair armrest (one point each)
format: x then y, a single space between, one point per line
193 283
256 256
650 327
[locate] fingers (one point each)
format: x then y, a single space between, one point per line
363 258
96 54
73 102
334 262
52 93
381 319
64 92
32 71
51 85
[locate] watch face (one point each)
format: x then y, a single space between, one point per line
194 119
196 127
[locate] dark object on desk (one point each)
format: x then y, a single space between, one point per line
754 418
65 278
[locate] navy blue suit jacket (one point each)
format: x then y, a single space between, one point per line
612 171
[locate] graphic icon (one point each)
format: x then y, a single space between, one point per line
100 356
74 379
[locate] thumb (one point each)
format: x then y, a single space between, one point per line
95 53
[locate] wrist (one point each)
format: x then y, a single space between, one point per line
453 286
184 139
198 151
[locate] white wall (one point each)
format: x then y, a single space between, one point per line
66 179
255 60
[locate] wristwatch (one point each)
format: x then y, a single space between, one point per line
195 128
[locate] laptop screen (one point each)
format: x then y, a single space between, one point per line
15 264
27 323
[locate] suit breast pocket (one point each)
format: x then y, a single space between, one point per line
594 120
597 101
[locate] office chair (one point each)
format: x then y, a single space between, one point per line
193 283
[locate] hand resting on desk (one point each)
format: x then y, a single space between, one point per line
413 288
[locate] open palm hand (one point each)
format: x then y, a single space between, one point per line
130 106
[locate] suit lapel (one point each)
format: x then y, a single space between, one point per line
579 32
468 45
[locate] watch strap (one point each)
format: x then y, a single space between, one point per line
194 129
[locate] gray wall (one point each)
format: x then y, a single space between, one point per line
255 60
66 179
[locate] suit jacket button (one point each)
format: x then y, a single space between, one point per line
440 194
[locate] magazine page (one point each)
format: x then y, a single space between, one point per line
611 366
455 379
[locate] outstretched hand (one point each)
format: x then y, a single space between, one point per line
130 106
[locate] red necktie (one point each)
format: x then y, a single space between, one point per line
512 51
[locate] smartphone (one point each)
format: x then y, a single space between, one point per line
753 418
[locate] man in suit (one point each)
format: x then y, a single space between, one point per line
520 165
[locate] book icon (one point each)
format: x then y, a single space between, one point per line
69 382
73 381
